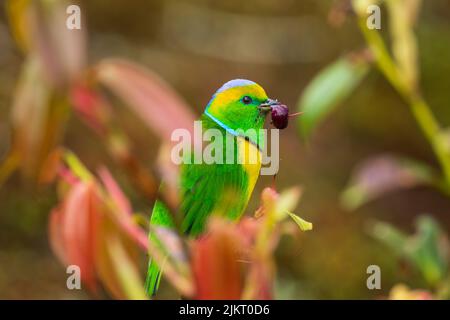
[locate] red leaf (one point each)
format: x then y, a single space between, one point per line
123 209
34 140
90 106
61 51
55 234
159 106
216 262
114 191
383 174
79 229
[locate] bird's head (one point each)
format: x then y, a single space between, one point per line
240 104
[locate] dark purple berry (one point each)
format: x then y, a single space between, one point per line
280 116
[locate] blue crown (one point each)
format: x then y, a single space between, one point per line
235 83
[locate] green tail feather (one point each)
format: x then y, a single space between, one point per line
160 218
153 278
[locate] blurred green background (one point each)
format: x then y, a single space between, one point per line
196 45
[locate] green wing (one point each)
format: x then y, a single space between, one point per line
218 188
206 189
221 189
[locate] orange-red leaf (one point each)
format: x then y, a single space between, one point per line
151 98
216 262
79 229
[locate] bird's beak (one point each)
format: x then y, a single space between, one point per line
267 105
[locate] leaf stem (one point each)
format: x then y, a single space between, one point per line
432 131
419 108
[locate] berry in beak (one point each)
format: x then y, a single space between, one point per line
280 116
279 112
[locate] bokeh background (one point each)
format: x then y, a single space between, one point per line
198 45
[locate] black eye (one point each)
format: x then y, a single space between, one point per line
247 100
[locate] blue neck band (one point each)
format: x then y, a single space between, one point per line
221 124
228 129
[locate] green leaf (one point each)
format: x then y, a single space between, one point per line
329 88
390 236
77 167
303 224
126 269
426 250
287 201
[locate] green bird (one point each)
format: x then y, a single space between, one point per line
220 188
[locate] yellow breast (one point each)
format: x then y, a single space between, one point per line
250 158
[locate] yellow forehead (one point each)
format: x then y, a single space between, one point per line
236 93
